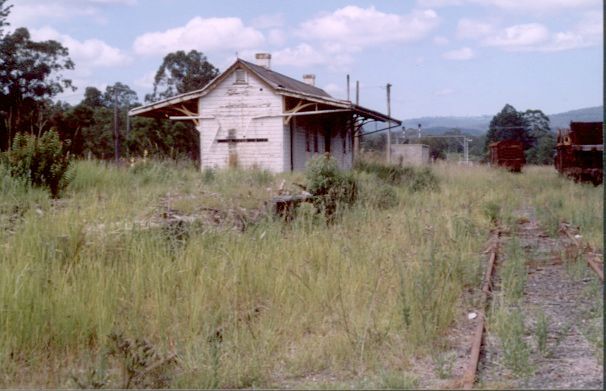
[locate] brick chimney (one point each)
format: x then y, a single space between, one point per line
264 60
310 79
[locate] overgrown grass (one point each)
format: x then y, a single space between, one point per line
563 200
414 178
509 326
513 272
263 307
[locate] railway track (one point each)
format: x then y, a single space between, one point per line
544 375
594 260
469 377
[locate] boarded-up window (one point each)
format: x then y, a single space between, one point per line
240 76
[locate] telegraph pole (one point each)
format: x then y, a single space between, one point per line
389 125
348 86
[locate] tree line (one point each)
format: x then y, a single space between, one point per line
531 127
32 75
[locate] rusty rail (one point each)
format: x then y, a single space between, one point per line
593 260
469 377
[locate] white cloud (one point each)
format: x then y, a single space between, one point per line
333 38
305 55
459 54
203 34
535 37
302 55
146 80
444 92
519 37
276 37
514 5
471 28
588 32
440 40
86 54
355 28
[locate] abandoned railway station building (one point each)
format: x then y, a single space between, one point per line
251 115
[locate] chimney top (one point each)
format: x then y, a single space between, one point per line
263 59
310 79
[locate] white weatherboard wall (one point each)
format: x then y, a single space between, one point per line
234 105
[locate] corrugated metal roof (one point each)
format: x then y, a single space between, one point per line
281 83
279 80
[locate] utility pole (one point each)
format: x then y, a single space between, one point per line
116 132
357 139
348 86
389 125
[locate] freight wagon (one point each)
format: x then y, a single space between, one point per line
579 152
508 154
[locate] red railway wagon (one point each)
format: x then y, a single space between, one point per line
508 154
579 152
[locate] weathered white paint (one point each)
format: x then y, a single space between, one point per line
234 105
253 110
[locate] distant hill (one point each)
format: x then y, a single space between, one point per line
438 125
589 114
478 125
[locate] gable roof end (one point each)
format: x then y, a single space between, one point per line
281 84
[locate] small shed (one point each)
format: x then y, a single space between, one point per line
251 115
410 154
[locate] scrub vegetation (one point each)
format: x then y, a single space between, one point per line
159 275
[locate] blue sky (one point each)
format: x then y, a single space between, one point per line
442 57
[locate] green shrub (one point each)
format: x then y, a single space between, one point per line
416 179
330 186
375 193
389 173
208 175
39 161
